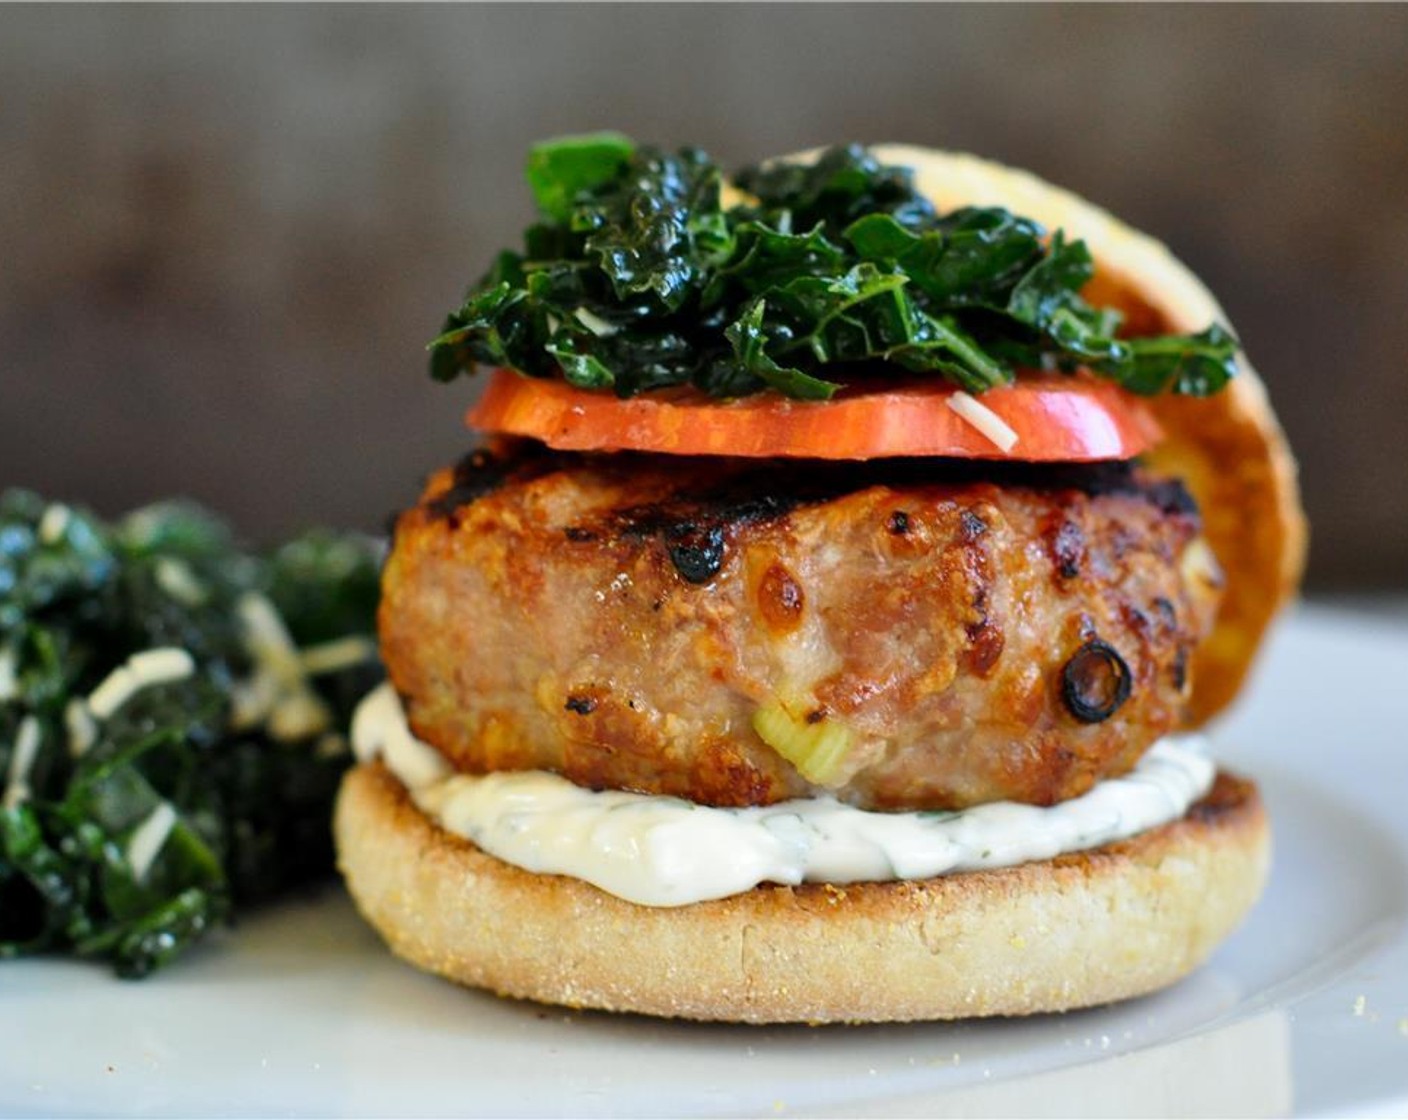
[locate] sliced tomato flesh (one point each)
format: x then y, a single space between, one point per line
1056 418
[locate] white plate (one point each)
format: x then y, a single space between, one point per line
1304 1011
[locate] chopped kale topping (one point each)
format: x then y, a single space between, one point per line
638 278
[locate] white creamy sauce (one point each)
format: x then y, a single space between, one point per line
379 730
663 851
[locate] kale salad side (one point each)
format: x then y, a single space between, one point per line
173 722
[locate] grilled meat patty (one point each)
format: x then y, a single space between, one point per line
910 634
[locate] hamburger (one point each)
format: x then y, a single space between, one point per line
824 626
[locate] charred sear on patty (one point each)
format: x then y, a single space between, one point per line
903 635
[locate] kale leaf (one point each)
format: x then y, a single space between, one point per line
557 173
638 278
135 820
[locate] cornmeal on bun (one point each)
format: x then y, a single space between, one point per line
822 629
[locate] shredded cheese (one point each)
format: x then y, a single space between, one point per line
53 523
595 323
26 749
989 423
82 727
342 653
176 578
332 745
9 681
278 695
268 639
298 715
141 670
142 525
251 701
148 839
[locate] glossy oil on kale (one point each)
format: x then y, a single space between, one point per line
234 806
637 277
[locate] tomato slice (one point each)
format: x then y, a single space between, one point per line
1056 418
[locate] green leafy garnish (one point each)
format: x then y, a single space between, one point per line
559 172
133 821
637 278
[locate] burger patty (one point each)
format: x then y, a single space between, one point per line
912 634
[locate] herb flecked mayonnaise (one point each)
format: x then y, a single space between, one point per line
663 851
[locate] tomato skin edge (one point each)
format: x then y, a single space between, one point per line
1057 418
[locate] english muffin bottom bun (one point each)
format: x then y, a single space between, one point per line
824 626
1052 935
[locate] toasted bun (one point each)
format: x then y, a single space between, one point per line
1228 448
1071 932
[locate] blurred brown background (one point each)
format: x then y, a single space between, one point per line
226 233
